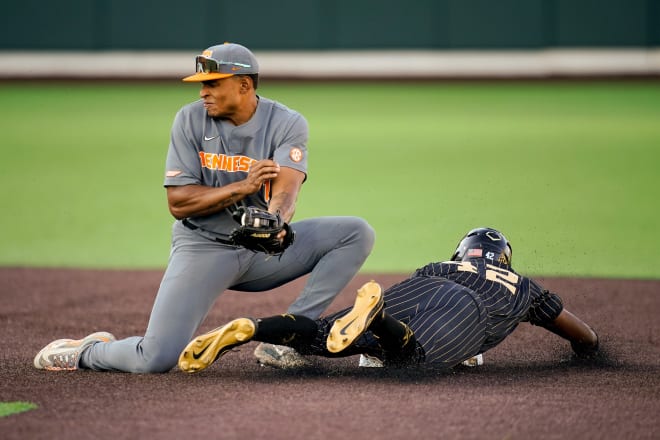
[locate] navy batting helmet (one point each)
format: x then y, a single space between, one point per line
483 243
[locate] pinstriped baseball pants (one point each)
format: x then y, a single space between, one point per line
448 320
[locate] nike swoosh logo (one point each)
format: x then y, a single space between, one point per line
343 329
207 138
196 356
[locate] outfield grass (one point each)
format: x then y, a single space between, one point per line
569 171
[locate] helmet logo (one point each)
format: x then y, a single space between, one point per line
494 236
490 255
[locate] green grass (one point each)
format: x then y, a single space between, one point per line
568 171
9 408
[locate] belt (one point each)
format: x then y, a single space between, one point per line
206 234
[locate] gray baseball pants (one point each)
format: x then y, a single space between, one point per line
330 249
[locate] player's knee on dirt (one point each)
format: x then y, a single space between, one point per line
156 358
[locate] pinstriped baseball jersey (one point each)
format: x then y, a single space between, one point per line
460 309
214 152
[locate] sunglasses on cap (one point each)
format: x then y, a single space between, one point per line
210 65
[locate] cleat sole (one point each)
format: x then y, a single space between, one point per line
209 347
345 330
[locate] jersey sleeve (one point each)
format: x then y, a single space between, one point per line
545 308
182 164
291 150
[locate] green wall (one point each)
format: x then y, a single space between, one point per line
329 24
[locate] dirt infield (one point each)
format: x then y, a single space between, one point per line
530 387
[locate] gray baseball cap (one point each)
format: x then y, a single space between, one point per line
223 61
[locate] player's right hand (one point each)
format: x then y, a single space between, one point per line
260 172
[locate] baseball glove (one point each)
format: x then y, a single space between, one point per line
258 231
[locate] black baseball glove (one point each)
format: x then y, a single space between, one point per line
258 231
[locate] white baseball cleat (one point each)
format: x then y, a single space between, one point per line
279 356
474 361
64 354
367 361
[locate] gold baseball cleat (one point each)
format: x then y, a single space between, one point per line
368 303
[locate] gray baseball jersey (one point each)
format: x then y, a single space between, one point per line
214 152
